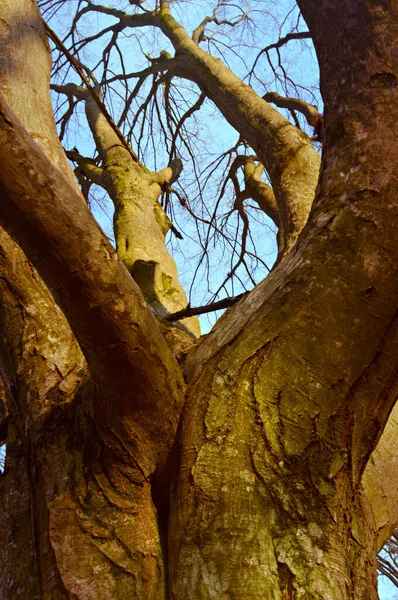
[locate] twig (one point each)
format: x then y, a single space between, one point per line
91 90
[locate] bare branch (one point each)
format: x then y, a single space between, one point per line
295 35
310 112
170 174
191 311
73 60
89 167
198 33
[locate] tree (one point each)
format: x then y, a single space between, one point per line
141 463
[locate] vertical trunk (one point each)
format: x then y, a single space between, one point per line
43 371
77 514
25 65
291 391
266 505
139 221
74 500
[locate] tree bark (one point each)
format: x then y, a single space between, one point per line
140 224
288 395
282 418
76 492
285 151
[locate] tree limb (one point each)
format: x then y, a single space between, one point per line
75 63
287 154
310 112
95 290
88 166
190 311
198 33
294 35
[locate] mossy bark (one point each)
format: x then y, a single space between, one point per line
288 395
287 399
140 224
77 515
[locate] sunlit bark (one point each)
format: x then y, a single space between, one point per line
79 455
288 395
139 221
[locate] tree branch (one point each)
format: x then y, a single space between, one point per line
117 333
287 153
191 311
198 33
170 174
140 224
298 35
75 63
310 112
88 166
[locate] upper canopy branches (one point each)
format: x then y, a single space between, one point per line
163 117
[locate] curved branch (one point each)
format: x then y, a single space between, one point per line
88 166
310 112
198 33
298 35
95 290
286 152
75 63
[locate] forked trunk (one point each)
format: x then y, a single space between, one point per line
287 397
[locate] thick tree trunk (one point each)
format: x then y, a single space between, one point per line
288 396
290 393
77 515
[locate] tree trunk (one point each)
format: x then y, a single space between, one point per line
287 396
77 514
281 420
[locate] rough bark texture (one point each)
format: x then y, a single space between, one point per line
288 395
76 492
315 402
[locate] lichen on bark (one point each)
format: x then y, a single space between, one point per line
287 397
